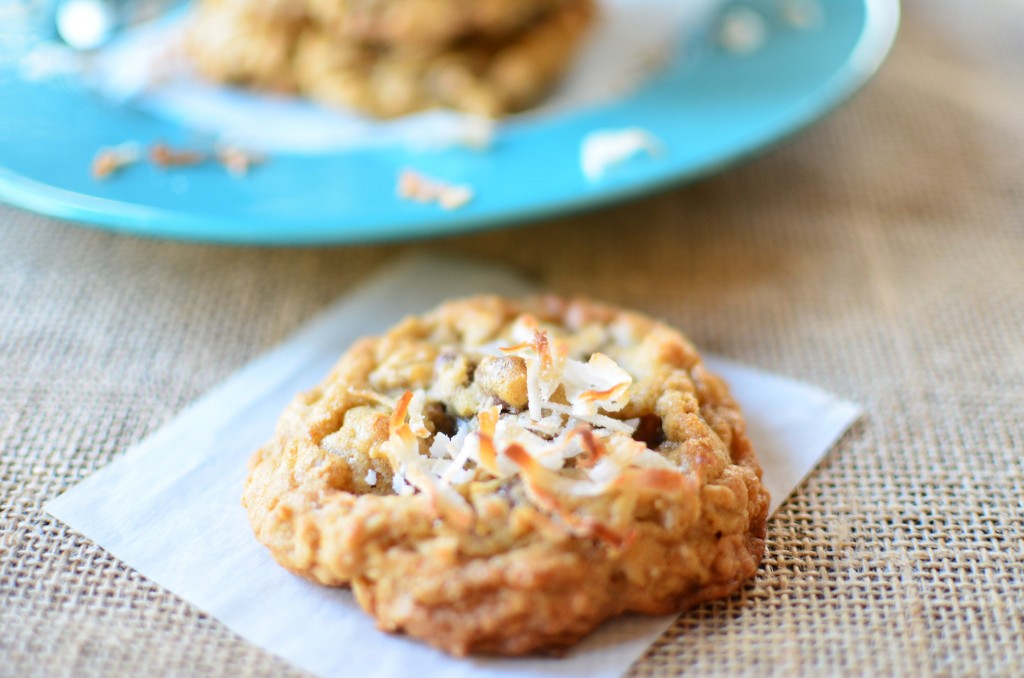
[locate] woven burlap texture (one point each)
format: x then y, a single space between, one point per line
879 255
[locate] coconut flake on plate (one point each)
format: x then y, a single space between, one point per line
606 148
742 31
802 14
110 159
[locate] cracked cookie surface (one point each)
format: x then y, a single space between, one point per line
232 41
500 476
485 77
427 26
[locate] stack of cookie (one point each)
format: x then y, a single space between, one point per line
391 57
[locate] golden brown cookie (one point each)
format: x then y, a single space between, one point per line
425 25
500 477
484 77
233 43
229 43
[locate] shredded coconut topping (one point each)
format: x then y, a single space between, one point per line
566 420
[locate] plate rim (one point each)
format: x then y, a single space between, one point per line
881 26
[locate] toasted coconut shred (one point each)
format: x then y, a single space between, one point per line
563 445
421 188
111 159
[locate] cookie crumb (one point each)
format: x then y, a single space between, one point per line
164 156
606 148
110 159
238 161
420 188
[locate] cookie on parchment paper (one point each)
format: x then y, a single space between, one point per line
500 476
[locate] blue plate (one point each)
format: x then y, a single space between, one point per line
709 114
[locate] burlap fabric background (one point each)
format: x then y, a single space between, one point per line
880 255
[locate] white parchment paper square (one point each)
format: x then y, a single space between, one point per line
170 507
